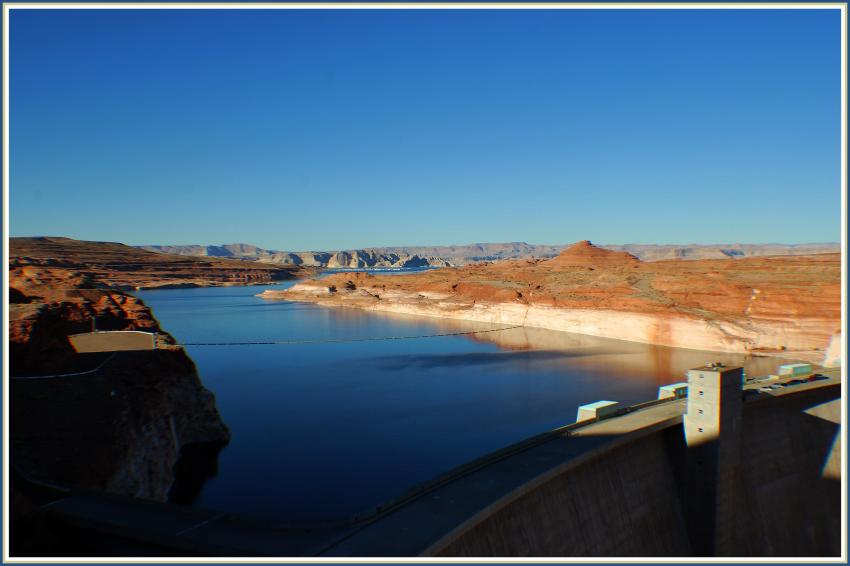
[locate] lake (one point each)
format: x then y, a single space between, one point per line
325 430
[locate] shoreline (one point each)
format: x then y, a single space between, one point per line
672 331
192 285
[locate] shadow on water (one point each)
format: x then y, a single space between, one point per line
473 359
198 463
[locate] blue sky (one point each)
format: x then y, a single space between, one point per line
330 129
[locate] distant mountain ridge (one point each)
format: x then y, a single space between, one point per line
338 259
656 252
443 256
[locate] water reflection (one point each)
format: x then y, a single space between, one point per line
198 463
630 359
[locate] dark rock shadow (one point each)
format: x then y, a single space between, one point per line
198 464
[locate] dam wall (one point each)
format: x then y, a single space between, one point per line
791 479
627 500
621 503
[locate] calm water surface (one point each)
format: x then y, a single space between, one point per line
324 431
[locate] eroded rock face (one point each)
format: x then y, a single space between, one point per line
788 305
120 429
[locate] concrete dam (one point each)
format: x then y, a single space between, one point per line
723 472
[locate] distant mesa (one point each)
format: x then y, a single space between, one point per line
120 266
459 255
584 253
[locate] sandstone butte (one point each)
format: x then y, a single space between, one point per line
780 305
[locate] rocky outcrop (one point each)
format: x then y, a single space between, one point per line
585 254
119 429
356 259
371 259
773 305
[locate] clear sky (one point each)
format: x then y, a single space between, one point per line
330 129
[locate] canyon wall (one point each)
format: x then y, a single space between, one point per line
787 306
805 337
120 428
109 422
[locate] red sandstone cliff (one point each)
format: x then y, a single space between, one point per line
789 304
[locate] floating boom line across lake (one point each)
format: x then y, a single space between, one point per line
343 340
